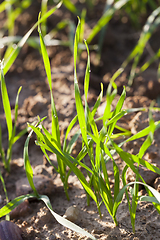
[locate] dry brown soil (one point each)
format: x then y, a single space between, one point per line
28 71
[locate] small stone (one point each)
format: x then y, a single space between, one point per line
72 213
21 210
9 230
43 184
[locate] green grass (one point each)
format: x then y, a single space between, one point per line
12 136
98 186
99 146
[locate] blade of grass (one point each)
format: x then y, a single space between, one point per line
1 148
120 195
27 165
71 7
17 201
72 142
74 120
43 11
130 159
105 19
6 103
143 132
78 100
116 111
109 98
4 4
15 52
55 124
99 99
67 159
14 203
148 199
64 221
9 150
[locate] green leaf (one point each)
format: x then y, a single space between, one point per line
117 111
120 195
148 199
105 19
63 221
9 61
79 105
71 7
27 165
14 203
74 120
55 123
143 132
66 223
87 74
6 103
2 153
99 99
130 159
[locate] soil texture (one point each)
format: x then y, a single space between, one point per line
28 71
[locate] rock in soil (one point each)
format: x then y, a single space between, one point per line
10 231
72 213
21 210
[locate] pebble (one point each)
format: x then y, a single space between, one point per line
72 213
21 210
43 184
10 231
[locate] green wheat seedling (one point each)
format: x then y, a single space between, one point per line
4 67
106 17
15 49
149 132
137 9
11 205
98 185
99 146
150 26
55 136
12 137
105 146
13 9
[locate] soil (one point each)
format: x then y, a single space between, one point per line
28 71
